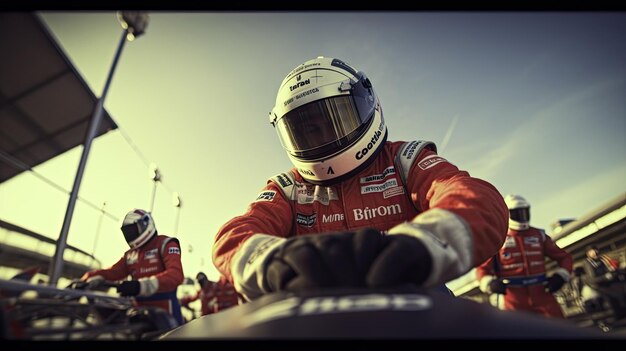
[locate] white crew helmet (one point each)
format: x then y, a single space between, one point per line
328 119
138 228
519 212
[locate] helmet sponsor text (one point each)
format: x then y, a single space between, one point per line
360 154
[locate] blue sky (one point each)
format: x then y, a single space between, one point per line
534 103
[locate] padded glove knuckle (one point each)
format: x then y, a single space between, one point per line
403 259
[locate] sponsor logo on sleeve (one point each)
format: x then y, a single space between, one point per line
430 161
173 250
283 180
267 195
409 150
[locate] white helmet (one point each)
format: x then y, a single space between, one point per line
138 228
329 120
519 212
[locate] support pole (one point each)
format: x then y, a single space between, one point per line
56 267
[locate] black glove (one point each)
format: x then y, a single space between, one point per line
496 286
84 285
403 259
128 288
348 259
79 285
555 282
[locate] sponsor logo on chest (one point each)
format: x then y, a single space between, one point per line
333 217
367 213
307 194
510 242
132 257
390 187
150 269
150 254
306 220
532 241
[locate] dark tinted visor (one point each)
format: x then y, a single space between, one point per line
520 214
133 230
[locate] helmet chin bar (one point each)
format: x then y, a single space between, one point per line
142 240
518 225
334 168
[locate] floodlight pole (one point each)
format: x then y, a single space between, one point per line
56 266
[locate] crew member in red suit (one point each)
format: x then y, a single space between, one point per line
206 294
153 264
226 295
215 296
518 270
356 210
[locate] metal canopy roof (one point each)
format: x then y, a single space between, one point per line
45 105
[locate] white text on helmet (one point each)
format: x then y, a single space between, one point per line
370 145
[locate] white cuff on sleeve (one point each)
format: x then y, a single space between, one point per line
447 237
95 278
148 286
483 283
248 264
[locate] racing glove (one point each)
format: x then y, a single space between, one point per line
496 286
324 260
129 288
359 258
350 259
555 282
90 283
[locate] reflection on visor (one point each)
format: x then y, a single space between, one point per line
318 123
320 126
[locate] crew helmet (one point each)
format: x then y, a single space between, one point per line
138 228
201 276
519 212
329 120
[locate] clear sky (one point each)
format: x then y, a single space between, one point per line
534 103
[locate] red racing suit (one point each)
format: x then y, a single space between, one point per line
405 180
226 295
207 296
158 268
214 296
521 263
